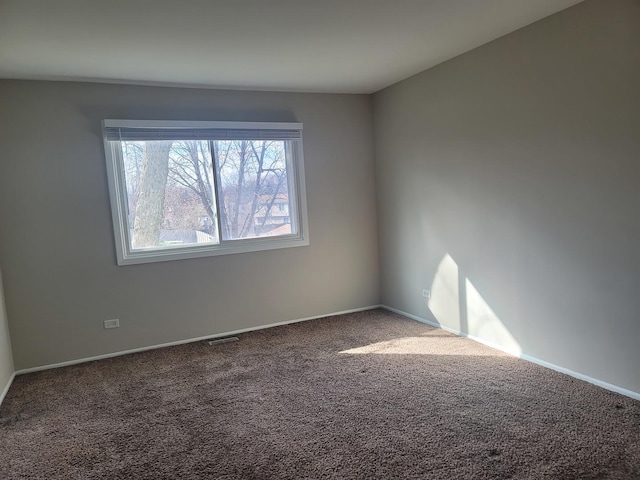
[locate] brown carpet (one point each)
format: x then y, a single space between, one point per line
366 395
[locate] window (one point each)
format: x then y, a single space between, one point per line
192 189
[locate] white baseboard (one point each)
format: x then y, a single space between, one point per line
6 389
529 358
188 340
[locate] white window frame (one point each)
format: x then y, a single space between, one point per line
118 196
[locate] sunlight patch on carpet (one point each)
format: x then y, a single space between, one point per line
437 345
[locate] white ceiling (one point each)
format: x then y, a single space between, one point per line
341 46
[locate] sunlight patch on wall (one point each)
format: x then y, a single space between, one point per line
483 322
445 295
457 304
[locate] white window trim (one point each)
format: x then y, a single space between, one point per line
117 194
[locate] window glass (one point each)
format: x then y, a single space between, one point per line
175 193
253 184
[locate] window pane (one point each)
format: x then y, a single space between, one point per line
169 188
192 189
254 188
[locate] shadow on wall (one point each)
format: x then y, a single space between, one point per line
457 305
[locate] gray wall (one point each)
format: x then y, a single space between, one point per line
6 358
508 184
56 244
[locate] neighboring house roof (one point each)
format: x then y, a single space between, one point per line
281 230
280 198
185 236
182 236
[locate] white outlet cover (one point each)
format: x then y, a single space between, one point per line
114 323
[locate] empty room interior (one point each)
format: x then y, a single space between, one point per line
343 239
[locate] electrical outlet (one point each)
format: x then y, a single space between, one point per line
426 293
114 323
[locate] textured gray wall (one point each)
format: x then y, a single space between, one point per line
56 243
6 358
508 183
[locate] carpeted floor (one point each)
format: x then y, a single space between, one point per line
360 396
